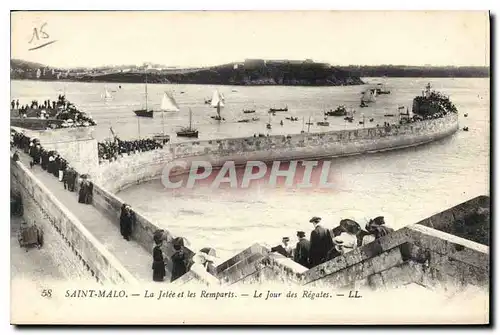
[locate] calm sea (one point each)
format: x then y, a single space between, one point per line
404 186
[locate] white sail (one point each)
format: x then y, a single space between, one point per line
368 95
106 94
217 99
168 103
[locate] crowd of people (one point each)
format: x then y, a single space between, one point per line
109 151
53 163
323 245
326 244
61 109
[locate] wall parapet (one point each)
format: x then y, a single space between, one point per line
110 205
98 260
470 220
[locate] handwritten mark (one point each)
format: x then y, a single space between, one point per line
43 45
38 36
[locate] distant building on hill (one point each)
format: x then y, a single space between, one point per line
254 63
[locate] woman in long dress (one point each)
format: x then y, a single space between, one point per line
89 193
158 262
82 193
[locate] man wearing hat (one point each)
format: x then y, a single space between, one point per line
302 250
321 243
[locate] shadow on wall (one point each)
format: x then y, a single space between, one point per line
469 220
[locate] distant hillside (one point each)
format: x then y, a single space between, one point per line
282 74
24 65
418 71
252 73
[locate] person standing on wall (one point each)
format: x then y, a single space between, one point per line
127 221
301 255
158 261
179 259
321 243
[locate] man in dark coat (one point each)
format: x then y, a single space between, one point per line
321 243
179 260
127 221
302 249
158 262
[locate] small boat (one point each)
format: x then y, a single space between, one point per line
208 101
371 120
339 111
361 122
388 115
120 86
244 120
381 89
363 104
144 113
249 111
268 126
465 115
217 118
309 123
182 92
255 119
466 129
323 123
188 131
273 110
234 91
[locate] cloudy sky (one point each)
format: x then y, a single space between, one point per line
210 38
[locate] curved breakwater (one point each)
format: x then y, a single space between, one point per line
135 169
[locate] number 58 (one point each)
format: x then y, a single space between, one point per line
47 293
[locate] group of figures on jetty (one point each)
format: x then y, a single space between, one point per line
53 163
109 151
325 244
182 259
61 109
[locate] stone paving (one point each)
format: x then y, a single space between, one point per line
133 257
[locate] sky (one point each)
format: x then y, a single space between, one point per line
190 39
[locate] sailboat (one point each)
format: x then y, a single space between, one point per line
268 126
106 95
217 102
145 112
168 104
369 95
188 131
